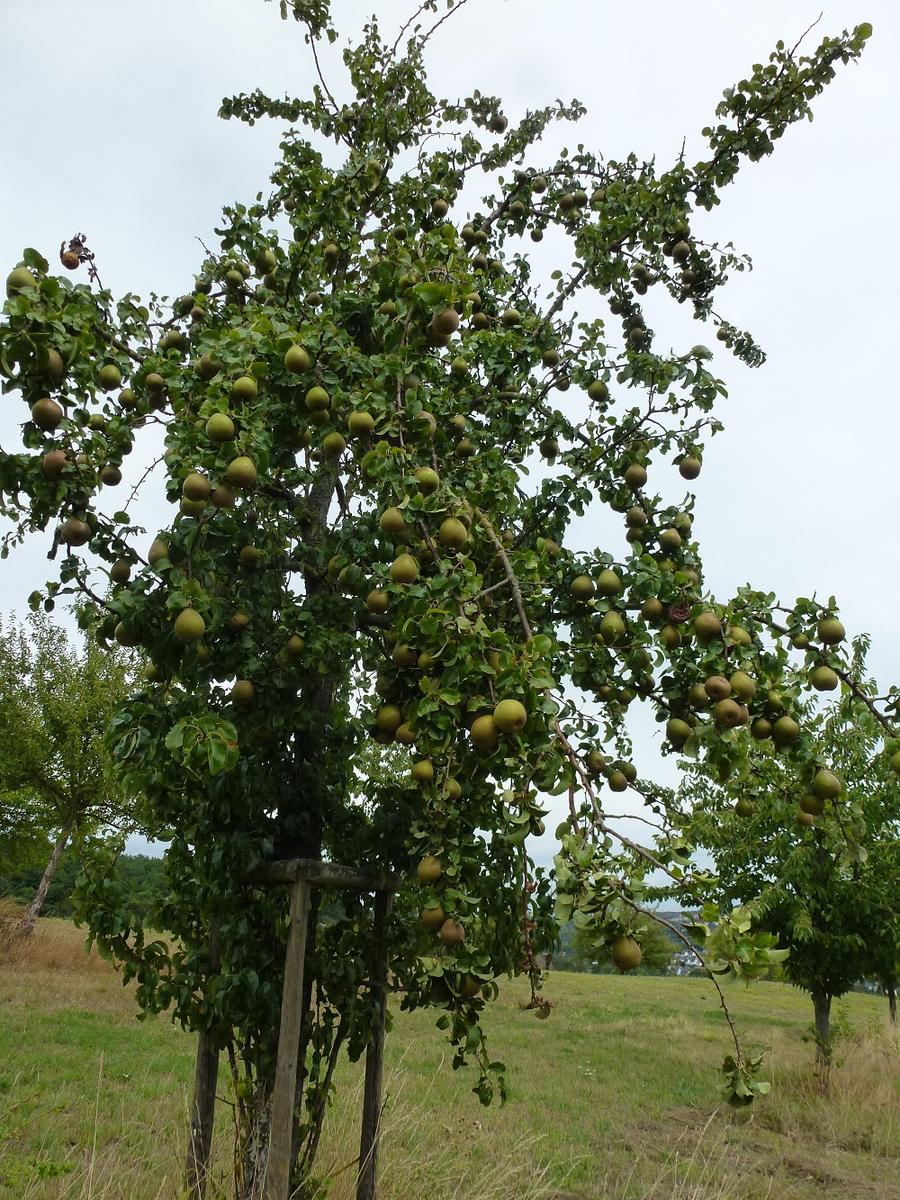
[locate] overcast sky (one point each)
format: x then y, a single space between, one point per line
110 129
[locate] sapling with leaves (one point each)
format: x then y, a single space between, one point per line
354 390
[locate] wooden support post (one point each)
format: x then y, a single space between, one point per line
371 1114
278 1164
203 1105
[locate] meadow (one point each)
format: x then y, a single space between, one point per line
612 1098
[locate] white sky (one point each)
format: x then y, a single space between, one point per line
111 129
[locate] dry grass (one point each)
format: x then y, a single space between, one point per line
612 1099
53 946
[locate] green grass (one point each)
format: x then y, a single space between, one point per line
613 1097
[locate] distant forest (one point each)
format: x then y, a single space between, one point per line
144 881
142 877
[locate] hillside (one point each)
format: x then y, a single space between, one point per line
613 1097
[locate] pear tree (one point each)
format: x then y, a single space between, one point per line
355 392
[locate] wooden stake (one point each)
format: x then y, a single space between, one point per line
203 1106
278 1165
371 1114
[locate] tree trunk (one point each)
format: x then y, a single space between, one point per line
822 1009
203 1105
891 990
28 922
253 1155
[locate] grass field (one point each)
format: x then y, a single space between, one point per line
613 1097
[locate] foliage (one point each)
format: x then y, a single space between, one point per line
353 390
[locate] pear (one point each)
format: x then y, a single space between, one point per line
75 532
46 414
195 487
626 954
423 771
484 732
677 731
120 571
823 679
598 390
826 785
404 569
220 428
760 729
453 533
612 627
707 626
159 549
729 713
452 933
510 716
392 521
222 497
635 476
317 399
812 804
245 388
427 479
360 424
744 807
689 467
378 601
56 366
433 918
388 718
670 636
785 731
445 322
189 626
429 869
208 367
581 588
609 583
242 692
294 647
241 472
19 279
831 631
742 686
109 376
125 635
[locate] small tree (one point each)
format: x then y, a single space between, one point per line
56 702
817 866
356 389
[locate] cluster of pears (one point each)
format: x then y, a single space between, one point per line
51 415
451 932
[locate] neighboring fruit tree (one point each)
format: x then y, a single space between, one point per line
56 771
351 390
818 866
